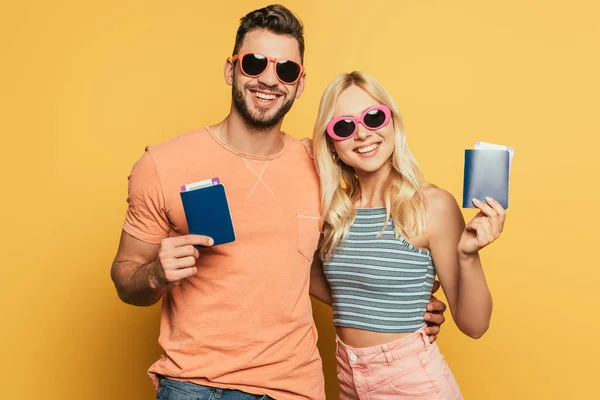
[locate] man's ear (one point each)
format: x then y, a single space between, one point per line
301 83
228 71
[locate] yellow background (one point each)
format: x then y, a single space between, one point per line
85 85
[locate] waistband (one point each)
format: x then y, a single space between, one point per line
388 352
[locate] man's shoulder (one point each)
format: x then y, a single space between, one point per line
300 147
179 143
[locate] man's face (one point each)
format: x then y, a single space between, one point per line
264 100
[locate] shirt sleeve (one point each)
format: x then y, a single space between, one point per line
146 217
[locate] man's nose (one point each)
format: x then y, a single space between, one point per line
269 77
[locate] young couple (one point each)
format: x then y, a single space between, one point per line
236 319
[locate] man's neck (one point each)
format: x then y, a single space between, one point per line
236 134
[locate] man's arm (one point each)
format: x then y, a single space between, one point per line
319 288
142 272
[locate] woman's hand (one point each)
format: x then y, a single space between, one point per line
483 229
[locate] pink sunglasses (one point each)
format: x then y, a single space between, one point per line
373 118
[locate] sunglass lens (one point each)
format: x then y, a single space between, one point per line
344 128
288 71
254 64
374 119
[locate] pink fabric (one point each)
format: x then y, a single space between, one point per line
407 368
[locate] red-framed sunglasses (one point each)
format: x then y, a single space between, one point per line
255 64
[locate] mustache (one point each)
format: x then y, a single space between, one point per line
261 86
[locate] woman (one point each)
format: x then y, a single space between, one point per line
386 234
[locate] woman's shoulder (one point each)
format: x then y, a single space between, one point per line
440 202
435 195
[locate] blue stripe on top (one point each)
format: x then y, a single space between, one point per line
381 283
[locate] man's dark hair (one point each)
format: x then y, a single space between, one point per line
275 18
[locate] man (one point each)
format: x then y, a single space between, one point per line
236 319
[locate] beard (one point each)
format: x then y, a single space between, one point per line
258 120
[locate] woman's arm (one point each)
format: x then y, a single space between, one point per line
455 252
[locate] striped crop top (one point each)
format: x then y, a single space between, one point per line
380 284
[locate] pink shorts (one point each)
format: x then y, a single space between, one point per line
407 368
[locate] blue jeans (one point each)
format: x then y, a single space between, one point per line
175 390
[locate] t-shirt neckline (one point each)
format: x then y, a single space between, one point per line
249 156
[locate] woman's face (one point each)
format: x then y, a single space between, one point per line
368 150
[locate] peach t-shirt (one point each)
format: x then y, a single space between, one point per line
244 321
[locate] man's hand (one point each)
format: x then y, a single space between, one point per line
176 260
434 315
307 142
142 271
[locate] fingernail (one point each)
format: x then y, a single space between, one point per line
474 200
427 317
211 242
488 198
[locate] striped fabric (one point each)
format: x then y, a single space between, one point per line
379 284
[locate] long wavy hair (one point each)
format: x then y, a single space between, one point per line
402 194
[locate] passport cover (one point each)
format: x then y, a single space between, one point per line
207 213
486 174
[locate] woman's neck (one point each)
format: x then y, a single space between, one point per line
371 186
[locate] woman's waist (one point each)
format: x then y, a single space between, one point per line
361 324
406 345
362 338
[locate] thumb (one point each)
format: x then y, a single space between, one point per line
436 286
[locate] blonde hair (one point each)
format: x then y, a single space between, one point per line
404 200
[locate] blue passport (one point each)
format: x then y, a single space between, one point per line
486 174
207 213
